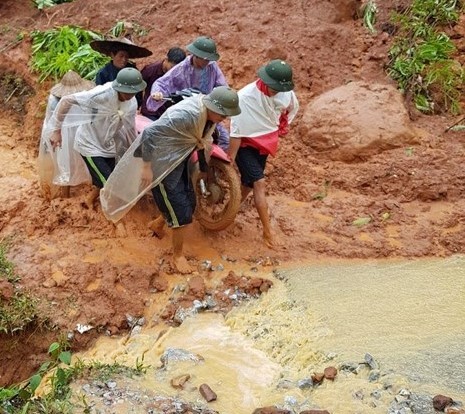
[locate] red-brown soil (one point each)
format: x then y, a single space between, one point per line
73 259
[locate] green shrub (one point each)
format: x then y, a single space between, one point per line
422 56
56 51
43 4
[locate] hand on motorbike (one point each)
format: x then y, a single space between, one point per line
146 175
157 96
55 139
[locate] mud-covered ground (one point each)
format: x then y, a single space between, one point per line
86 273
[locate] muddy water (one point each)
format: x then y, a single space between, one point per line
408 315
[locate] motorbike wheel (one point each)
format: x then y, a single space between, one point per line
218 210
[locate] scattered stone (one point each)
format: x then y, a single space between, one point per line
270 410
359 395
135 321
376 394
207 393
111 384
317 377
350 367
330 373
371 361
206 265
177 354
83 328
374 375
305 383
178 382
285 384
440 402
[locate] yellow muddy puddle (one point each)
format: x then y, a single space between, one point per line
408 315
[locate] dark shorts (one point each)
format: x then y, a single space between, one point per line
251 165
100 169
175 196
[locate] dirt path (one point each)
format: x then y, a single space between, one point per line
72 257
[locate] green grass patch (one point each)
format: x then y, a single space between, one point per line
19 309
422 56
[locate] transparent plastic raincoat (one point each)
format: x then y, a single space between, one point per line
93 123
64 166
165 143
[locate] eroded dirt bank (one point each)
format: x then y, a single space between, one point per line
87 274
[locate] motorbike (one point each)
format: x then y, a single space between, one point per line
218 199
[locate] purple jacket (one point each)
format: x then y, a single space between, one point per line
183 76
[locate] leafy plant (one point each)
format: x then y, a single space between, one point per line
56 51
122 28
421 56
370 11
55 377
21 398
43 4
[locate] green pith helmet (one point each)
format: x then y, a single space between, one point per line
277 74
129 80
223 100
204 47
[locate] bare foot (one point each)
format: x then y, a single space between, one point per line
91 197
271 241
181 265
158 227
120 230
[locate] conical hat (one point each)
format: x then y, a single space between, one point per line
71 83
114 45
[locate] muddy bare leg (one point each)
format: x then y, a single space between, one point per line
91 197
179 260
158 226
245 191
262 208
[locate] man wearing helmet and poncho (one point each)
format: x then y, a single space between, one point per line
158 161
268 106
105 121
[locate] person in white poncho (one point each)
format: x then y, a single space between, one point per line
105 121
268 107
158 161
65 167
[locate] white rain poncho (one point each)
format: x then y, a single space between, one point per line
64 166
96 124
260 115
166 143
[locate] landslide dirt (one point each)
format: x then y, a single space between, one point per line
86 273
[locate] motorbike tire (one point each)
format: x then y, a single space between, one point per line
218 214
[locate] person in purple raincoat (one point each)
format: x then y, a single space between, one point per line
199 70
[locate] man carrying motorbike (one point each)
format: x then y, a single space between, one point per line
268 106
158 161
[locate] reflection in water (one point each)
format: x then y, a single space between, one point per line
408 315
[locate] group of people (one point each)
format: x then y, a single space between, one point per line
98 124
